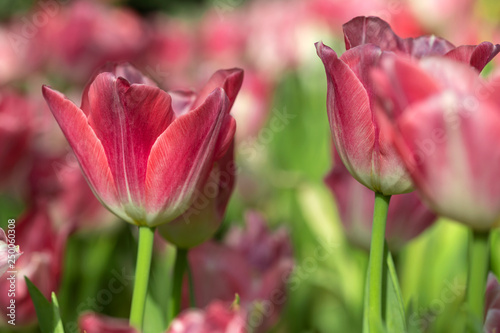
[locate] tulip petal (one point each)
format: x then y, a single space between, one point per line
427 46
182 101
182 157
128 119
371 30
477 56
353 132
228 79
85 144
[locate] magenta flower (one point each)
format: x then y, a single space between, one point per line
217 317
359 136
253 263
145 152
492 309
446 120
406 219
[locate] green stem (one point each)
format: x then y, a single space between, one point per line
478 272
376 264
179 270
142 268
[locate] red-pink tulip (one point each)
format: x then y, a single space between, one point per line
252 263
361 141
492 309
446 121
217 317
145 152
406 219
96 323
42 260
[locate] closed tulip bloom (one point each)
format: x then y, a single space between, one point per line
447 124
360 138
406 219
492 315
146 152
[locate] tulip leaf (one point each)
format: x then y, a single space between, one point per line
47 313
395 318
153 316
395 310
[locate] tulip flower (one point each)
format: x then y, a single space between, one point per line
492 313
407 216
42 260
216 317
445 120
7 257
252 262
362 145
145 154
96 323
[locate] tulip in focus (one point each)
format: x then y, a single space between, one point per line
217 317
492 309
14 254
360 137
145 152
252 263
446 121
407 217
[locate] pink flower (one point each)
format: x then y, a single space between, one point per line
144 152
96 323
492 309
446 120
406 219
360 139
252 263
16 131
217 317
7 256
42 260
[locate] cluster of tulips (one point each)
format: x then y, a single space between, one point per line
414 127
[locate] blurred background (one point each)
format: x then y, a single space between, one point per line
75 247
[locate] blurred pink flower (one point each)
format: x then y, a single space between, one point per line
492 309
252 263
84 35
217 317
95 323
406 219
16 132
5 254
42 260
445 120
127 150
360 137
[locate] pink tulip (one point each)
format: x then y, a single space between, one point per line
406 219
252 263
446 122
492 309
42 260
144 152
7 257
360 139
96 323
217 317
